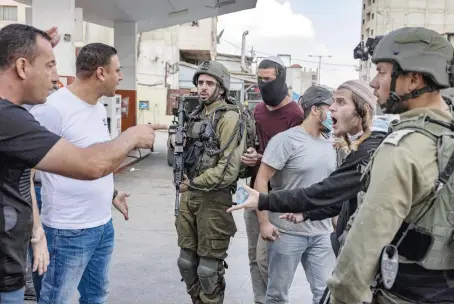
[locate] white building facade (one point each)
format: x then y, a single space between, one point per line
299 79
158 54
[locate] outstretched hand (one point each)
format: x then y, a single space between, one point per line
121 204
251 202
159 126
293 217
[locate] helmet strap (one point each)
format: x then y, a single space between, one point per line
394 98
214 97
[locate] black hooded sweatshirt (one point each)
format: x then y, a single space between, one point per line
335 195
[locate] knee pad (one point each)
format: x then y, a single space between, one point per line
208 274
187 264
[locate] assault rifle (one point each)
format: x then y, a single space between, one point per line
178 164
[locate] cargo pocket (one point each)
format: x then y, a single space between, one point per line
214 237
220 244
187 243
217 248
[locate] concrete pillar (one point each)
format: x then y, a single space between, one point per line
61 13
28 16
125 36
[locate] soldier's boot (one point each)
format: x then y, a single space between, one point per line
211 276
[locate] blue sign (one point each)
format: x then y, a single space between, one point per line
144 105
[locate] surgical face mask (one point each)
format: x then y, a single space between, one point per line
328 122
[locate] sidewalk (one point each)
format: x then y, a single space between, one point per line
138 154
133 157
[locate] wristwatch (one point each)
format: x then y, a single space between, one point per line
115 193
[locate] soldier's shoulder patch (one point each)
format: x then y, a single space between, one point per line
395 137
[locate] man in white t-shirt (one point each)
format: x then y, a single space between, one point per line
76 214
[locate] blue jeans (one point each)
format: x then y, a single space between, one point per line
315 254
12 297
78 258
38 197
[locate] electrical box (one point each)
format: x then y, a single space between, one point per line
113 109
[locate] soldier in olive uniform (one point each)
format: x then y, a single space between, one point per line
408 204
213 149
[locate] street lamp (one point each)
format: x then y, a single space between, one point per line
319 64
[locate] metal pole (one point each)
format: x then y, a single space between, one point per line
319 64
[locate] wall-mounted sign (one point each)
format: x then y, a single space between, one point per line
144 105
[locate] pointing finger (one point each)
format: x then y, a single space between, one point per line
159 126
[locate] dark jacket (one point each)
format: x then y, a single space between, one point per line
335 195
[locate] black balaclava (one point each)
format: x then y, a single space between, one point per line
274 92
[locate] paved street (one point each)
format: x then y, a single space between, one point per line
144 264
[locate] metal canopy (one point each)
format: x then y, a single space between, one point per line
155 14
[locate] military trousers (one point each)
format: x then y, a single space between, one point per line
204 230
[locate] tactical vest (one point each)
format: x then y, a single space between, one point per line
203 149
428 239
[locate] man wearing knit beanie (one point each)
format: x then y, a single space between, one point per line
407 209
336 195
363 90
353 110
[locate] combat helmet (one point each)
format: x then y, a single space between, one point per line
420 50
216 70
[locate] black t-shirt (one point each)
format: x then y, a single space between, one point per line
23 143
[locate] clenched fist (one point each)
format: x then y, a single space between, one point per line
250 157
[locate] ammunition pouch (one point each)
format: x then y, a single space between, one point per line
415 245
192 157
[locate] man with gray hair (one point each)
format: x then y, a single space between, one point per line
27 64
32 282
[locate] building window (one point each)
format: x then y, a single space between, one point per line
8 13
362 37
373 1
364 21
364 6
369 2
314 77
368 17
373 16
368 32
372 33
